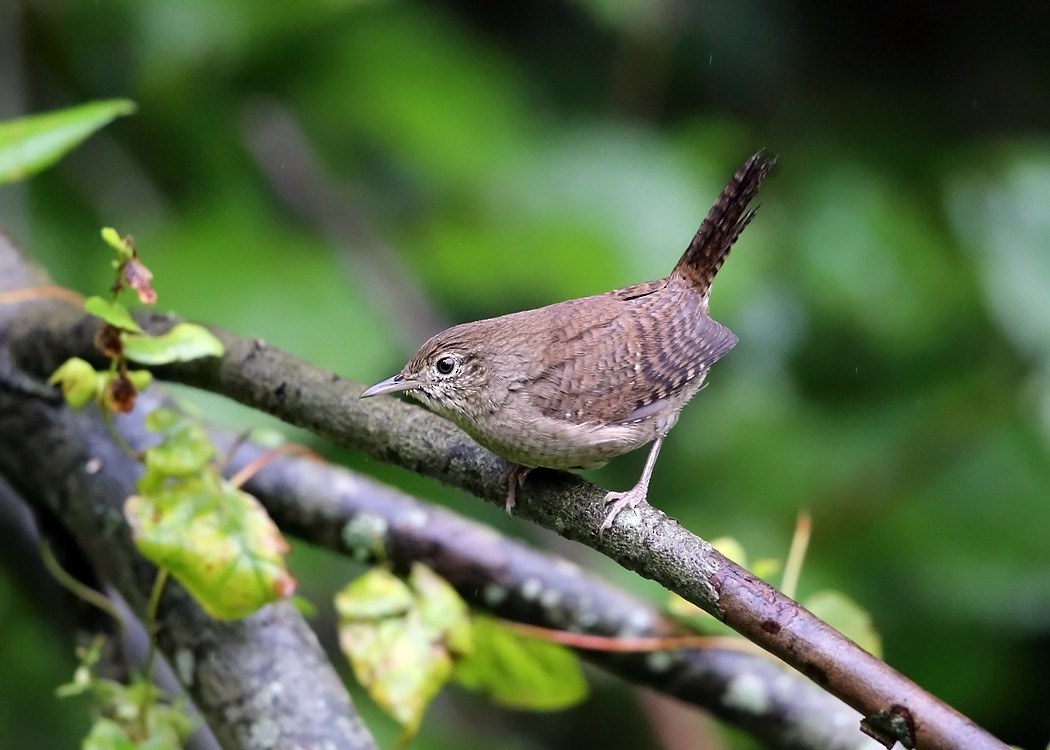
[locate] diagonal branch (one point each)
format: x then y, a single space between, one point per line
354 515
351 514
364 519
646 541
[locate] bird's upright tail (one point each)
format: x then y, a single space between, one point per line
723 224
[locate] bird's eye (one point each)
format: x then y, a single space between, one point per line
445 365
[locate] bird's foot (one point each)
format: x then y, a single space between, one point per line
620 500
514 477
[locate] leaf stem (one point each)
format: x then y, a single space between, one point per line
796 554
151 657
107 418
75 587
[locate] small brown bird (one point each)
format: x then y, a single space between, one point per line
573 384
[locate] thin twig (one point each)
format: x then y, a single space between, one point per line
796 554
75 587
47 291
151 656
257 464
617 645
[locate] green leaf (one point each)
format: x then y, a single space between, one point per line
121 724
401 639
163 420
184 451
766 567
169 726
31 144
399 665
732 549
88 657
376 595
140 378
847 617
695 618
216 540
107 734
112 312
405 641
304 606
124 248
680 607
184 342
79 380
521 672
441 609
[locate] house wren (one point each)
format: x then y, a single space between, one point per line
573 384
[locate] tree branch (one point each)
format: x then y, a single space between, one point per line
364 519
645 540
354 515
266 673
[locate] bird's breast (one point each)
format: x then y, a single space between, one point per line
533 439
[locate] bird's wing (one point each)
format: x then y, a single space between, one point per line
625 355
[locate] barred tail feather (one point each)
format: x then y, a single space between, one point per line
723 224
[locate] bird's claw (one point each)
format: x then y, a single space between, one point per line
514 477
619 501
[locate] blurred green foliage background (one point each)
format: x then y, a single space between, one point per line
342 178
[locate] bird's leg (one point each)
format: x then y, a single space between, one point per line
635 495
514 477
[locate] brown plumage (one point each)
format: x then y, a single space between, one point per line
573 384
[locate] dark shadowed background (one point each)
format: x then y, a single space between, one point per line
343 178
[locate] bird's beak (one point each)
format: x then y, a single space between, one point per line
395 384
